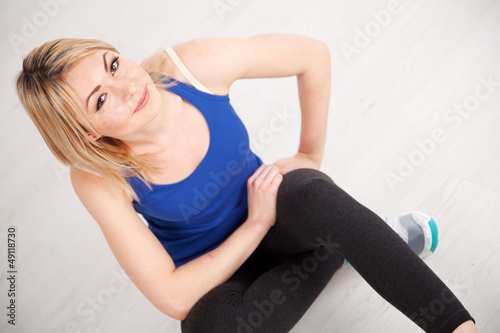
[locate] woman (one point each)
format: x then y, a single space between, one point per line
231 244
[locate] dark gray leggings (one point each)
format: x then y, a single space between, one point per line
317 226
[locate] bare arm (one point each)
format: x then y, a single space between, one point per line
218 62
143 258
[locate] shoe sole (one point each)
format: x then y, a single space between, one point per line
430 230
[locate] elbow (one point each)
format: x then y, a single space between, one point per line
324 53
176 302
183 315
318 59
321 53
323 63
178 311
184 309
179 315
324 48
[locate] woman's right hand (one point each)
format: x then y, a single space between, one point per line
262 189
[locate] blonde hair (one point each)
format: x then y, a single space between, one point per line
53 107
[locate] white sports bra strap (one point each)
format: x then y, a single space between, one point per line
182 68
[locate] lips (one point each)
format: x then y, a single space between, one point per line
144 100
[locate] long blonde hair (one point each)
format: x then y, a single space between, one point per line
53 107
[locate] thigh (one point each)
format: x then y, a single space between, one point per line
259 262
273 302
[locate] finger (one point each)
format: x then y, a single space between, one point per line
277 179
257 173
271 173
262 178
282 169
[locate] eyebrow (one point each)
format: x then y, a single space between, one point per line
98 87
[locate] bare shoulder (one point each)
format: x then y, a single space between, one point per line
96 193
218 62
204 58
207 59
84 180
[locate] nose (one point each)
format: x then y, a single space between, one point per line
126 90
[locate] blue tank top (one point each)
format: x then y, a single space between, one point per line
195 215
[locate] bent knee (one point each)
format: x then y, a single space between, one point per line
304 182
304 189
301 177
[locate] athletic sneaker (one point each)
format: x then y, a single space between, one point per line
418 230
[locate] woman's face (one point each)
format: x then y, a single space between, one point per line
118 95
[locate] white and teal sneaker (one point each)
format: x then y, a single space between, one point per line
418 230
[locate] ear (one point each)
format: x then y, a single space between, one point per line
92 137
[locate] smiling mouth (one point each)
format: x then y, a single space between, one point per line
144 100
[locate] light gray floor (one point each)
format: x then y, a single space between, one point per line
412 126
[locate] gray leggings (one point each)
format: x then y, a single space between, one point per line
318 225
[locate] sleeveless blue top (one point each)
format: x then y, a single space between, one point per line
195 215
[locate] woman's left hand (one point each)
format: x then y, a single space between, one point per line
299 160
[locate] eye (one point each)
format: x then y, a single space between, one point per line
114 65
112 69
100 101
